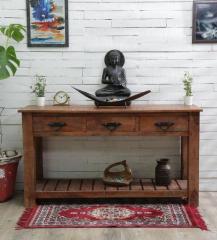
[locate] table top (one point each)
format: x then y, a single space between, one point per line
149 108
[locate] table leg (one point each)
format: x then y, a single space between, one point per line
39 157
193 159
184 157
29 161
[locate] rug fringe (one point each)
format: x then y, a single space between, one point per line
23 220
196 217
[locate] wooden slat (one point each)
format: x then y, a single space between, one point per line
124 188
98 185
111 188
95 188
173 185
86 185
157 187
40 185
50 185
147 184
136 185
75 185
62 185
182 184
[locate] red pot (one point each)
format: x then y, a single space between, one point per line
8 173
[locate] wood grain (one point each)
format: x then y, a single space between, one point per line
72 123
29 161
95 188
193 159
89 121
184 157
39 157
96 124
150 108
180 122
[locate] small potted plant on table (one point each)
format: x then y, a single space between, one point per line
188 98
39 90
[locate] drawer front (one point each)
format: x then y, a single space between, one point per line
164 123
111 124
58 124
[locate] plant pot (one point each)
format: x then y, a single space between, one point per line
188 100
40 101
8 173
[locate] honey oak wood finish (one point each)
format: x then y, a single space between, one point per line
136 120
93 188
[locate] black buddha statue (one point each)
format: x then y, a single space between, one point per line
114 75
115 93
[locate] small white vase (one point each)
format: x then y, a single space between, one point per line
188 100
40 101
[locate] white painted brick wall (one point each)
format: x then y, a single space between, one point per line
155 37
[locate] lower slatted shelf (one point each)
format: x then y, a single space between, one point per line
95 188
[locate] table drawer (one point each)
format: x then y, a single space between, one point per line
58 124
111 124
164 123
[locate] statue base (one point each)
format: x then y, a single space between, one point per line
123 104
112 101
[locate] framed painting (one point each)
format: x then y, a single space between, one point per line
47 23
204 29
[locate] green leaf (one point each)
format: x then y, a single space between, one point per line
17 35
14 31
8 62
2 29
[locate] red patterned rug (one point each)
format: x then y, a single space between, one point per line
112 215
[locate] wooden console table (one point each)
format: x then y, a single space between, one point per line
138 120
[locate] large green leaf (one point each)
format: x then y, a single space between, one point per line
8 62
14 31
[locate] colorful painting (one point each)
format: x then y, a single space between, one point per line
47 23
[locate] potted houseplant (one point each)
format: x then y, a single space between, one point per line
9 64
187 81
39 89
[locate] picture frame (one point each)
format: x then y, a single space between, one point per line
204 24
47 23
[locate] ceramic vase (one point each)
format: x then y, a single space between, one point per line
40 101
188 100
162 172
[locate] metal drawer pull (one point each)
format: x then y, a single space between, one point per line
57 125
164 125
111 126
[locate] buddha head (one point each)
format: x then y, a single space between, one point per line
113 58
